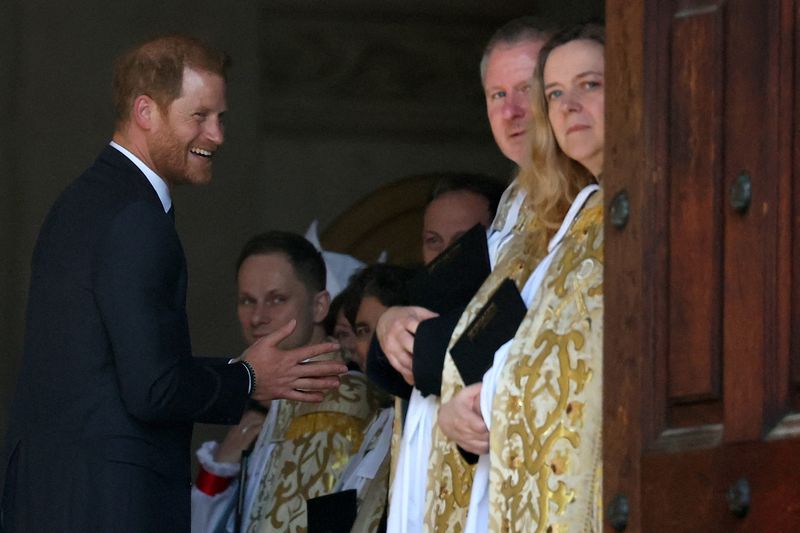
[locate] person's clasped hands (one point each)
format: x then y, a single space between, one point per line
461 421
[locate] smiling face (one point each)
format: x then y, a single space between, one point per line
270 294
449 216
574 90
509 71
185 137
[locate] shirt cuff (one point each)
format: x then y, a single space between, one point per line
205 457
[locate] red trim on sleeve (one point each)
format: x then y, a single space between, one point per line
211 484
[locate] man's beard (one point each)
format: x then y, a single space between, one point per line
170 158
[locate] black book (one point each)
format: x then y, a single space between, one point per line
494 325
453 278
332 513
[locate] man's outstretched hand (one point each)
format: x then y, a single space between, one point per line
288 373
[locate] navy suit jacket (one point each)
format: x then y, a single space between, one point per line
101 422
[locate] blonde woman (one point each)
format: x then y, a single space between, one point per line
536 419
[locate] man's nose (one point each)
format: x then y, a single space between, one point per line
215 131
260 314
515 105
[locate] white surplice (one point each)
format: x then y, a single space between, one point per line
407 495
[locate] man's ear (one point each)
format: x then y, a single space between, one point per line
145 112
322 303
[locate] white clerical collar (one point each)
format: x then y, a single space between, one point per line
162 190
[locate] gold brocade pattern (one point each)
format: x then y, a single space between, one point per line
349 426
545 443
313 444
504 206
397 435
449 483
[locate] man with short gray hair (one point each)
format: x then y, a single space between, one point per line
507 66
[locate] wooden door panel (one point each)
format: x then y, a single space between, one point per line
629 417
784 384
749 243
702 325
693 287
699 480
695 177
685 201
791 100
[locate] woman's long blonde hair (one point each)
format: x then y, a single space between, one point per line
552 179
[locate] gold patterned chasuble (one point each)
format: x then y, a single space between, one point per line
313 445
545 439
449 483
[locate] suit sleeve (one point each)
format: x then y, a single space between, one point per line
381 372
140 290
430 347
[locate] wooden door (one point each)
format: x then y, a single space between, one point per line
702 287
